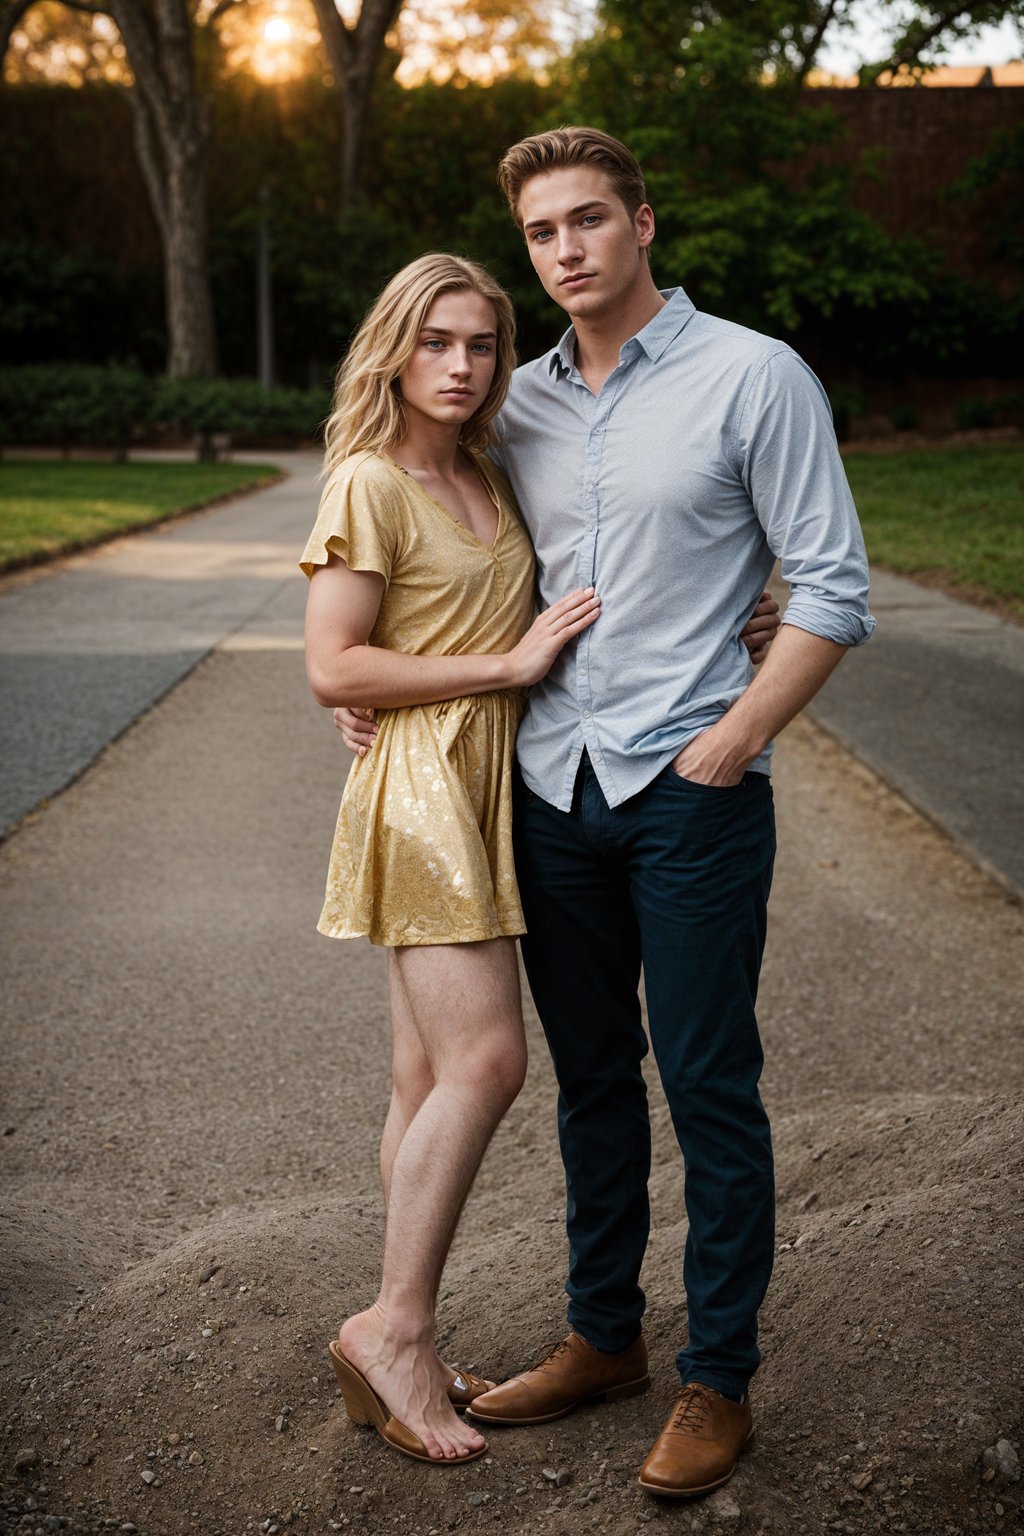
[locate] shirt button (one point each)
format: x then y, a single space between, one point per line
586 714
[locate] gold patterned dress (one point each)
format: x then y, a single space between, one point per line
423 847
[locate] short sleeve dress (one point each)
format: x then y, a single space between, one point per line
422 851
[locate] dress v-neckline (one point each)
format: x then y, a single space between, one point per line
449 514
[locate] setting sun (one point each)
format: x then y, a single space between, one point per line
278 30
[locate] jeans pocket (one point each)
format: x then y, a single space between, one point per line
712 790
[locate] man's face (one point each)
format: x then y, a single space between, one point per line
585 248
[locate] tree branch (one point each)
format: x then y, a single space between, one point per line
175 52
149 159
337 38
810 49
917 38
144 55
11 13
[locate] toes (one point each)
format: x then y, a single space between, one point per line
434 1449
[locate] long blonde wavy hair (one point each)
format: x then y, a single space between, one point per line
367 411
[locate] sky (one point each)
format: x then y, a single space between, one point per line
993 45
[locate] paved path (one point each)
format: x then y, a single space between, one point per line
933 703
91 643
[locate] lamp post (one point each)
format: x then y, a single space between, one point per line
264 295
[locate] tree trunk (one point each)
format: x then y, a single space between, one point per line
354 52
171 135
188 297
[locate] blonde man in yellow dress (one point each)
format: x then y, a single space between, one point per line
421 603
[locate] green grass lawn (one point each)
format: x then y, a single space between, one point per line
951 516
48 507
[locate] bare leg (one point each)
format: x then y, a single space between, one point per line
411 1076
463 1001
411 1082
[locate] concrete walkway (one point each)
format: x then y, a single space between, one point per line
932 703
89 643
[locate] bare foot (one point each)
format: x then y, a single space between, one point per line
407 1375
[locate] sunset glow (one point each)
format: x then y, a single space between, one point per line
279 41
277 30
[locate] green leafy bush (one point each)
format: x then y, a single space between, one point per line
239 408
847 401
974 412
70 404
904 417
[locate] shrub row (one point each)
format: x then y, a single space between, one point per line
75 403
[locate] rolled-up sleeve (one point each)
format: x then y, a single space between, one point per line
794 475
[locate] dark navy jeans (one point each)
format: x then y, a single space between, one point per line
676 879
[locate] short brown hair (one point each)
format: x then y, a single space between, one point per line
561 147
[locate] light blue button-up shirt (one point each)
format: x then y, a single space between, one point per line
708 453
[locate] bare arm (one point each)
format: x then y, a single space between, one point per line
797 666
343 668
359 731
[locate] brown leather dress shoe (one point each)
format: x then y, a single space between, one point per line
571 1373
699 1446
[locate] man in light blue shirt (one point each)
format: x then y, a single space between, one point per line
708 451
665 458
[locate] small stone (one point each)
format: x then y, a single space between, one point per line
173 1439
563 1479
723 1509
809 1200
1001 1457
355 1490
475 1499
54 1522
313 1449
148 1476
208 1273
129 1527
281 1423
195 1459
207 1333
549 1474
861 1445
860 1480
26 1459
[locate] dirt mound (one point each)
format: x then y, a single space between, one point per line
193 1392
48 1260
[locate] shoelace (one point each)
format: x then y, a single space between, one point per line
692 1408
552 1352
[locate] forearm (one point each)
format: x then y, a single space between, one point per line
796 667
369 676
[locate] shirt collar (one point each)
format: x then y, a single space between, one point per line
653 339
